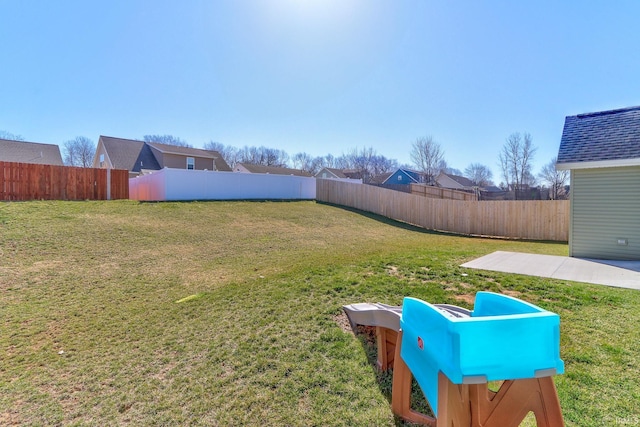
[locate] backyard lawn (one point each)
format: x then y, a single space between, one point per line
229 314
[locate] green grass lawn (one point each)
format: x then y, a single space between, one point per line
229 314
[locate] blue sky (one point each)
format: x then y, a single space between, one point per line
319 76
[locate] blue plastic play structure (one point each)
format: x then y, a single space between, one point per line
453 354
504 338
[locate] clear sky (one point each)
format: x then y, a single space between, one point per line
319 76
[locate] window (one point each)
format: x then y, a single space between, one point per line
102 160
191 163
399 177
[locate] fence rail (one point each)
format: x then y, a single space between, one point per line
26 181
526 219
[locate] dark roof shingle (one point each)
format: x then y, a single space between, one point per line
129 154
30 152
602 136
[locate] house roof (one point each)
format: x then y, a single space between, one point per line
221 165
352 173
601 139
465 182
30 152
338 173
129 154
380 179
136 155
274 170
183 151
492 189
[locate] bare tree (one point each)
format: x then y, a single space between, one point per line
215 146
427 155
303 161
555 179
167 139
515 158
79 152
444 167
365 162
479 174
263 156
327 161
229 153
360 161
380 164
10 136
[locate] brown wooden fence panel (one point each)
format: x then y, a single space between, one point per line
524 219
26 181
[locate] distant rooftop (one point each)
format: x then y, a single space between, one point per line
29 152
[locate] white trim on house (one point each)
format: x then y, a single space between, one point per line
598 164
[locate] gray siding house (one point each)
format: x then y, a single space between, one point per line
602 151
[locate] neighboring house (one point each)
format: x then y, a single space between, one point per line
379 179
602 151
30 152
273 170
454 182
332 173
404 177
491 192
140 157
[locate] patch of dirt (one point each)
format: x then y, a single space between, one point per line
12 416
469 299
368 332
392 270
514 294
343 321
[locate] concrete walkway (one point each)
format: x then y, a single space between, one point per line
622 274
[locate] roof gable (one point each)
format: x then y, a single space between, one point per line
607 138
30 152
337 173
129 154
414 176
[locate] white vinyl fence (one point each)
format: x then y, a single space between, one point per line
181 185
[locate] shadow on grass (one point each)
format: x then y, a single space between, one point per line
417 229
392 222
366 335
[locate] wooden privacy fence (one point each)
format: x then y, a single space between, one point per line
526 219
441 193
26 181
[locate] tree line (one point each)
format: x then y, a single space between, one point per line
515 161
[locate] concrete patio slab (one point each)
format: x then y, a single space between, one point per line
622 274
